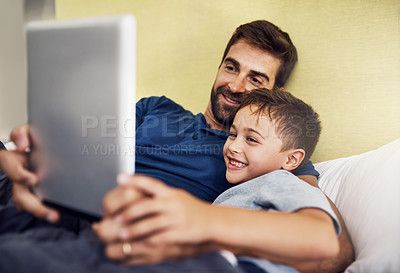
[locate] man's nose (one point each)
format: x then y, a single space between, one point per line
238 85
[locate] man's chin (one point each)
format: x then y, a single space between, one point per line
225 118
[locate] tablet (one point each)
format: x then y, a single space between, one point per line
81 108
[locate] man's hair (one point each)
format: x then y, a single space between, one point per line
297 124
266 36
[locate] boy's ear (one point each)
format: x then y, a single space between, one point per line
294 159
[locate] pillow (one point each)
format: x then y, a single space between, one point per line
366 190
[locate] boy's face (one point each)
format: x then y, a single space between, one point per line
252 148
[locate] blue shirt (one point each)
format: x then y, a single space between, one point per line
181 149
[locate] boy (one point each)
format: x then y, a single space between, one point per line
273 133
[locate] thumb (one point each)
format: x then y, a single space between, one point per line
20 136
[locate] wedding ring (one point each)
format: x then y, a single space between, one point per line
127 249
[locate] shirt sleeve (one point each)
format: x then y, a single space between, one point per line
146 107
284 192
280 191
5 185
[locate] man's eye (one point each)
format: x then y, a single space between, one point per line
256 81
230 68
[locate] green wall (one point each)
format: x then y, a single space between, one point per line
349 57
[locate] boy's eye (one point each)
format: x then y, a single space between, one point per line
250 139
232 135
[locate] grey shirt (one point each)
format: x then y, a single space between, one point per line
279 191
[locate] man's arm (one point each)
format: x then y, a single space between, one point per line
346 252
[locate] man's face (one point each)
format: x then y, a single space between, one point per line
244 68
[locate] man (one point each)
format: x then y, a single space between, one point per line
185 150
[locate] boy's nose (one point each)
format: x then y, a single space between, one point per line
235 147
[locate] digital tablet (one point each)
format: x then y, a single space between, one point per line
81 108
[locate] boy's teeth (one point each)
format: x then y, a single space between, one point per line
237 164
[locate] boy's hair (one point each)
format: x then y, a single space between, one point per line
296 123
266 36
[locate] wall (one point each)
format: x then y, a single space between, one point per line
13 16
348 67
12 67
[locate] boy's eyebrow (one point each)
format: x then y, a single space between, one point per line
255 131
253 72
251 130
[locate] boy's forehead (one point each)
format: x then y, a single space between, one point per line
250 114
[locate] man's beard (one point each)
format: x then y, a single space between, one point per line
223 113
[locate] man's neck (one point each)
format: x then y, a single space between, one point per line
210 119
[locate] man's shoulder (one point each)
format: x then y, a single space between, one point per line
160 103
307 169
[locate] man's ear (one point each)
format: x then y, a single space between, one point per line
294 159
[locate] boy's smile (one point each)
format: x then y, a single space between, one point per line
235 164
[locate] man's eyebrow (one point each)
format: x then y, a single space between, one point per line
256 73
253 72
232 60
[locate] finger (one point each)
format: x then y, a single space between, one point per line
13 164
115 251
119 198
145 184
138 253
25 200
140 209
145 227
108 230
144 253
20 137
169 237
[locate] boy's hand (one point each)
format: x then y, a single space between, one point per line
158 221
14 164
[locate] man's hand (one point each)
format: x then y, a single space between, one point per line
156 221
143 252
14 164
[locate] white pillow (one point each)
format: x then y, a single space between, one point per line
366 190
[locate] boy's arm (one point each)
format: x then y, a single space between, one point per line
346 251
173 217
